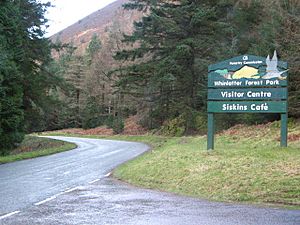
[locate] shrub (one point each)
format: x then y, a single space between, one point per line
174 127
200 121
118 125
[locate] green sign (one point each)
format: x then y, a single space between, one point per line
248 84
248 71
247 107
248 94
245 61
216 81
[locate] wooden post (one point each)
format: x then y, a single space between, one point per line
210 131
284 129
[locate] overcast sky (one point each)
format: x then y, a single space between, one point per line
66 12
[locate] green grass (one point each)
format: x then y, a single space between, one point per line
232 173
33 147
247 166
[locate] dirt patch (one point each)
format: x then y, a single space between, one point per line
132 127
31 144
95 131
291 137
242 130
294 137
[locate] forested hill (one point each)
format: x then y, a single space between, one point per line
159 69
111 19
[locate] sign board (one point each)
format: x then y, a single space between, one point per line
216 81
248 84
248 94
247 107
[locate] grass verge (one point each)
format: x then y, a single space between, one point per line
33 147
247 166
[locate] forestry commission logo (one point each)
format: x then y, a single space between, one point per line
247 68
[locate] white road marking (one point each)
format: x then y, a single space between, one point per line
111 153
55 196
9 214
94 181
107 175
70 190
46 200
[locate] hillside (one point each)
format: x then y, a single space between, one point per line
91 79
108 23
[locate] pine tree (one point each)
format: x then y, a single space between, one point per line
23 79
177 41
11 94
94 46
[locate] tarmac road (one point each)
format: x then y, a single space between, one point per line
28 182
71 188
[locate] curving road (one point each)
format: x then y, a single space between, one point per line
72 188
28 182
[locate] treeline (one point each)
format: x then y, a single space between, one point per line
38 92
159 72
179 39
89 99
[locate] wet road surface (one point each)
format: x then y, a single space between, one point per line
107 201
31 181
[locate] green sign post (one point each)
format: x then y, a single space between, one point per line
248 84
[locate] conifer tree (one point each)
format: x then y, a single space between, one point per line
177 39
24 82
